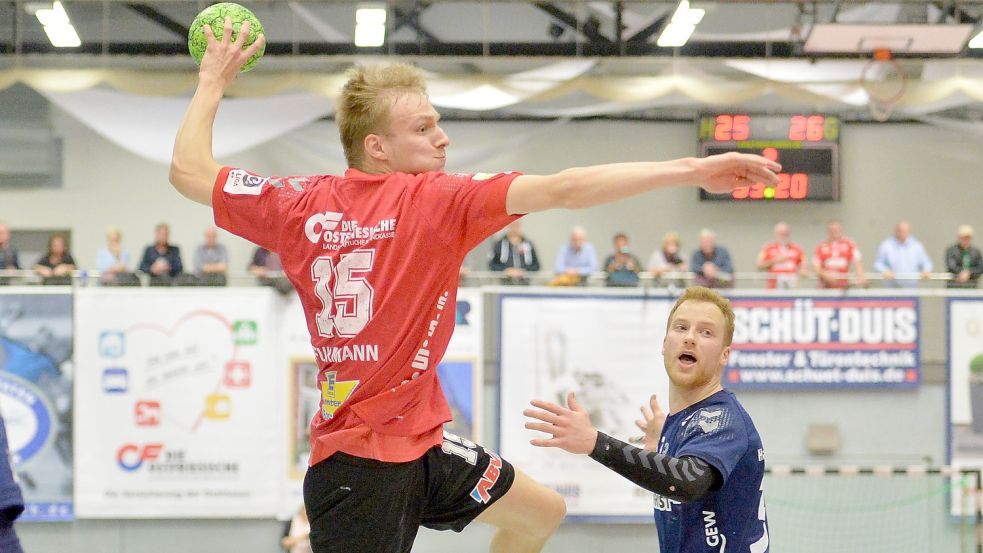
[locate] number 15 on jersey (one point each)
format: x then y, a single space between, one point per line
344 292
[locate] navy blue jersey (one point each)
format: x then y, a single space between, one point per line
731 519
11 501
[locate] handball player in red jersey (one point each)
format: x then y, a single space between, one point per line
374 255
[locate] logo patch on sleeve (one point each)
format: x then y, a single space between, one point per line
709 420
241 182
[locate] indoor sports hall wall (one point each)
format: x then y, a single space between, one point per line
888 172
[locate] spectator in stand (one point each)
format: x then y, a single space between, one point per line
514 255
8 253
161 260
112 261
622 266
712 263
964 260
56 265
783 259
269 271
265 263
576 260
668 259
833 258
902 254
211 260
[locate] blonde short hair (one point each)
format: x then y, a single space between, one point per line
700 293
363 105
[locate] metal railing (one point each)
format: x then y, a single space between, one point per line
646 279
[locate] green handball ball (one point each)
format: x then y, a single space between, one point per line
214 16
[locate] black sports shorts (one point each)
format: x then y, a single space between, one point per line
359 505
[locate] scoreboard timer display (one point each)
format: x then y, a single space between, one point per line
806 145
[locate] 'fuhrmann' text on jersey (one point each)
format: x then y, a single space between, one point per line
331 354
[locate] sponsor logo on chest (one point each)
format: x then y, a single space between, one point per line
713 536
333 231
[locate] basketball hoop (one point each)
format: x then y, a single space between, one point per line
885 81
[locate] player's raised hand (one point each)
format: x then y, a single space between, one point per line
651 423
723 173
570 429
225 57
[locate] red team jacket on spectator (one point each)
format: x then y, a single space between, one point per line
785 271
836 256
375 260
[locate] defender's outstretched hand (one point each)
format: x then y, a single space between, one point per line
722 173
571 429
225 57
651 423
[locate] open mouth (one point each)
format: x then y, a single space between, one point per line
687 358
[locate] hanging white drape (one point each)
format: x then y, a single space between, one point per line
147 125
141 110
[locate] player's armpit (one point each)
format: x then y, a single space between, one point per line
686 478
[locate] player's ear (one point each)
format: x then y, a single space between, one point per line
724 357
374 147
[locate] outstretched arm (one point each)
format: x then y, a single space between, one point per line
685 478
193 169
600 184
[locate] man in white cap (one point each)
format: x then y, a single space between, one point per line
963 260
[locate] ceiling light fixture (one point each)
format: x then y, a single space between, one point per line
683 23
976 41
370 26
58 26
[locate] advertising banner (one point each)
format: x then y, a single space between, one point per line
608 351
36 372
178 403
965 409
823 342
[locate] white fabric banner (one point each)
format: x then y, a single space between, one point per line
177 402
608 351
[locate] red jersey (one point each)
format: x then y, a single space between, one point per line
375 260
836 257
786 272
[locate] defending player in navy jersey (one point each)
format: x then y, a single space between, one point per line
705 461
11 500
